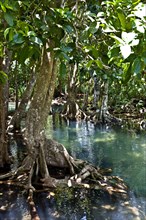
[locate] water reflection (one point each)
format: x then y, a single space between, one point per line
13 204
124 153
71 204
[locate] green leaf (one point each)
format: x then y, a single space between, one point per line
18 38
144 57
8 6
66 49
62 55
113 52
69 29
127 72
3 77
11 34
1 50
95 52
94 27
6 32
3 7
24 27
99 64
28 52
36 40
137 65
25 53
9 18
122 19
66 57
118 40
62 70
31 33
88 65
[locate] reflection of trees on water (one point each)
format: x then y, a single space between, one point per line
123 152
77 137
82 138
17 150
126 154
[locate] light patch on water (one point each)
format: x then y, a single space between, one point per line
106 138
143 145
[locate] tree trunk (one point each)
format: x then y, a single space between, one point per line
20 112
36 161
102 117
104 105
72 110
4 158
39 109
3 141
96 91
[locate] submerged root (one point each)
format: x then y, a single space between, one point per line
33 209
82 173
91 177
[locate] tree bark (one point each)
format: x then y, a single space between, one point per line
104 105
4 158
38 111
3 140
96 91
71 109
21 110
102 117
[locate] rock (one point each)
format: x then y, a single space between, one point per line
57 155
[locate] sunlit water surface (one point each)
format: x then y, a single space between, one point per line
124 152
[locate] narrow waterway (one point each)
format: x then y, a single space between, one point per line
124 152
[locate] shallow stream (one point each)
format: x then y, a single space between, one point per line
124 152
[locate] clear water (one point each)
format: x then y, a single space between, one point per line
124 152
13 204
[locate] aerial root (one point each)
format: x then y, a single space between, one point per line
91 177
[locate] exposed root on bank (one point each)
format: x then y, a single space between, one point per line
90 177
73 112
85 176
75 173
105 118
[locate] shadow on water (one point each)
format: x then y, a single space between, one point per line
73 204
124 153
13 204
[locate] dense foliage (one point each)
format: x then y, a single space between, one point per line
103 36
93 53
